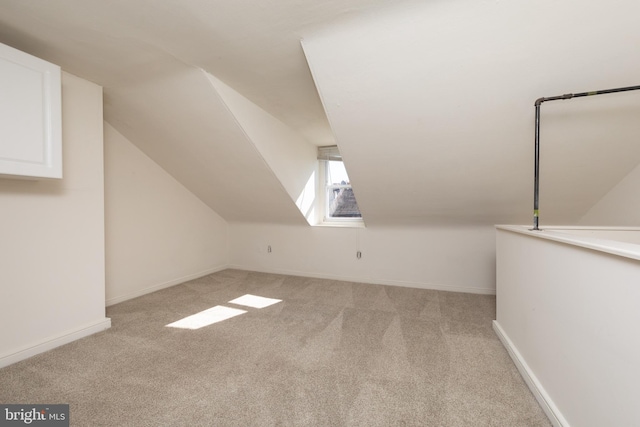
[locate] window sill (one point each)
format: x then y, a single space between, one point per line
341 224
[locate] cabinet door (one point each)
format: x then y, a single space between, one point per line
30 116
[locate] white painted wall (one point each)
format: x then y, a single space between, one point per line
158 233
620 206
52 260
569 317
447 258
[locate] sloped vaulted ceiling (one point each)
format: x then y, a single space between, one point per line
430 102
183 123
150 56
434 103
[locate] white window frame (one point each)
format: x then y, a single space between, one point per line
323 189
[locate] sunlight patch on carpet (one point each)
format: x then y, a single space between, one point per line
255 301
207 317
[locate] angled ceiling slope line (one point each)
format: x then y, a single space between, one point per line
291 158
181 123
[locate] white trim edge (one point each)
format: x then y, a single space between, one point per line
57 341
168 284
541 395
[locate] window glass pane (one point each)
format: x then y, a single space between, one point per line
341 200
336 173
342 203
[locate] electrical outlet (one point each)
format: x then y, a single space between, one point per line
269 249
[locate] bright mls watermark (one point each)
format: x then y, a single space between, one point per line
34 415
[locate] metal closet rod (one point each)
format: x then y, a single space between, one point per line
536 174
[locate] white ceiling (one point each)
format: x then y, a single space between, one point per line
253 46
431 102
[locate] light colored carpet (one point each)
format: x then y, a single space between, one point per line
330 354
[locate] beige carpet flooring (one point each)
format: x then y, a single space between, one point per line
330 354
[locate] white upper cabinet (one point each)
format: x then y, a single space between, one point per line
30 116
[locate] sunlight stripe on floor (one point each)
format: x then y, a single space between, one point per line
255 301
206 317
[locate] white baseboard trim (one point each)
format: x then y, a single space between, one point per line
548 406
168 284
406 284
56 341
